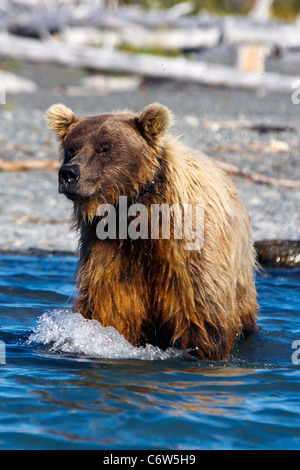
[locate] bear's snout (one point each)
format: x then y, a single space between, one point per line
68 176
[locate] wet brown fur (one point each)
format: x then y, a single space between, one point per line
156 291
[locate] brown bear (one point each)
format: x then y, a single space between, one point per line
157 290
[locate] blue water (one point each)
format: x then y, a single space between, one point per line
68 383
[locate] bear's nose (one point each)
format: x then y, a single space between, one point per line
69 174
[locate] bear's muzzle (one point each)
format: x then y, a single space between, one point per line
68 176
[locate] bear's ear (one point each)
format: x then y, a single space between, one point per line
155 120
59 118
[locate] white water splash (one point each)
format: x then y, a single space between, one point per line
64 331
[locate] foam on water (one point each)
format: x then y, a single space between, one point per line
65 331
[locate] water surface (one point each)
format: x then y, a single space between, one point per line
68 383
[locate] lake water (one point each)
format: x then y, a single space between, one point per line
68 383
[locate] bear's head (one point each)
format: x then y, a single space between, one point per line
110 155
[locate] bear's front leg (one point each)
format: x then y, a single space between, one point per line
115 295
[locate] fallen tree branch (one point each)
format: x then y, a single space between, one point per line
138 37
253 126
142 64
245 31
274 146
12 83
234 170
278 252
28 165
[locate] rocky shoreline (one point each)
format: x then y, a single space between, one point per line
35 218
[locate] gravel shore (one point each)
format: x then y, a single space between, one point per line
34 216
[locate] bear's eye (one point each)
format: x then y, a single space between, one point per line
104 148
72 149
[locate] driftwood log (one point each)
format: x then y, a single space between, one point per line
34 18
140 38
28 165
142 64
235 170
12 83
253 126
278 252
276 34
